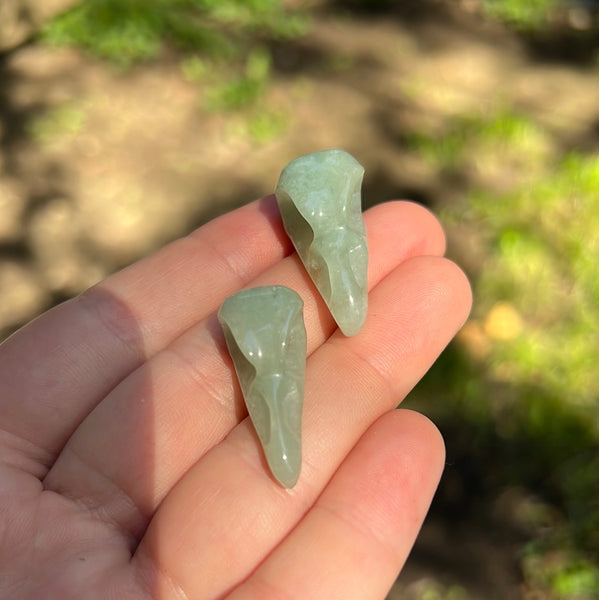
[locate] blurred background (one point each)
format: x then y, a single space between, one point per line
125 124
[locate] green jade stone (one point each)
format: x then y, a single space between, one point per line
320 204
266 337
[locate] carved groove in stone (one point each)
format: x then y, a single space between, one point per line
266 337
320 203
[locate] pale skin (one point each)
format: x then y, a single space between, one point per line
129 468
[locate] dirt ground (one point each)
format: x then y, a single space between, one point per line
99 167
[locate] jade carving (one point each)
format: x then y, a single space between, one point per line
319 197
266 337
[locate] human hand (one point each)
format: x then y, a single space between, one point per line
129 468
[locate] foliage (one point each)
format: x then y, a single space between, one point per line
243 89
126 31
57 123
523 14
219 40
522 377
566 577
238 90
543 241
481 138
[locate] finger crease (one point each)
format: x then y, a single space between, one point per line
201 379
261 587
149 571
380 374
230 265
122 513
25 455
359 527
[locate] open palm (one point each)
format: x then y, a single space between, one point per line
129 468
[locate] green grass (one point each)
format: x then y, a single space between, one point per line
521 405
501 136
564 577
221 43
222 46
128 31
542 242
522 14
242 89
57 123
239 89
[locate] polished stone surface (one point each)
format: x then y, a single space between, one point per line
266 337
319 196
